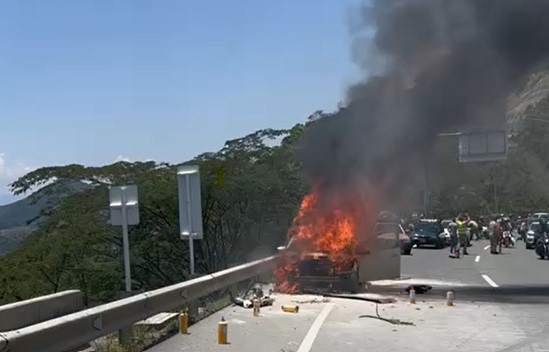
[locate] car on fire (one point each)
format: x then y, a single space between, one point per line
317 270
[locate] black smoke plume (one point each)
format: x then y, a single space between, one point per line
447 65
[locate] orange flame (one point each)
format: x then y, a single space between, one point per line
329 228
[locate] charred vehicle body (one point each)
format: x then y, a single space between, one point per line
379 258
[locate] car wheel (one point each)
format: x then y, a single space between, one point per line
440 245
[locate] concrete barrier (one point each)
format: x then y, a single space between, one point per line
33 311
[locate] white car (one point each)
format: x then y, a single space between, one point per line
530 235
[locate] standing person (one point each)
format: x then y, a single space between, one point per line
452 228
493 239
523 229
474 230
498 236
463 232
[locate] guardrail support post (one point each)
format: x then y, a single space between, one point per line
125 334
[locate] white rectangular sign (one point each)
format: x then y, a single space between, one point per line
128 196
482 146
190 205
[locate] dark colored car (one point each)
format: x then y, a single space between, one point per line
428 234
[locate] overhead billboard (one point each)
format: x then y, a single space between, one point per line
482 146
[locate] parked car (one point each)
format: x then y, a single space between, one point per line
429 233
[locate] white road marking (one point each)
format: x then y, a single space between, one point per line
477 258
486 248
307 342
489 281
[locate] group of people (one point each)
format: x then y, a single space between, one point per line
463 230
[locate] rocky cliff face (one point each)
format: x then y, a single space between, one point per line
534 88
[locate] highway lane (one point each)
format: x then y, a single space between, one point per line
508 317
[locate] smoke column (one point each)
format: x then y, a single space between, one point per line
446 65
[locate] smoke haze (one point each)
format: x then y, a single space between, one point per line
445 65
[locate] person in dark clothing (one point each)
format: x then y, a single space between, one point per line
541 230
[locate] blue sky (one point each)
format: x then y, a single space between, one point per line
91 81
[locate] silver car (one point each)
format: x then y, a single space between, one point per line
533 228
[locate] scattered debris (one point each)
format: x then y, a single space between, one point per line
380 300
390 320
288 308
314 300
420 289
246 300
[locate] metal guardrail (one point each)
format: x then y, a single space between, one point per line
33 311
74 330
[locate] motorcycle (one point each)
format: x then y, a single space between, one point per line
542 246
508 239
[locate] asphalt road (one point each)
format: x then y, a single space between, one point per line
502 304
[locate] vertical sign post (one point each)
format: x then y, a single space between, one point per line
123 204
190 208
124 211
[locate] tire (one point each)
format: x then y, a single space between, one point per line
440 245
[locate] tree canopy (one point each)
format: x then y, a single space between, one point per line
251 189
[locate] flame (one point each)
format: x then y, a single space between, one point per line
329 226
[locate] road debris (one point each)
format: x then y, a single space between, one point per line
374 299
393 321
247 299
288 308
419 289
314 300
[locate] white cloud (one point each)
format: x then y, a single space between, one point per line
10 172
122 158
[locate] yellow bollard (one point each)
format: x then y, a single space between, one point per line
256 306
413 296
450 298
290 309
183 323
222 332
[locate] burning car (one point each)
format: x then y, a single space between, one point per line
305 269
316 270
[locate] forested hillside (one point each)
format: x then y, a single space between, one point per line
251 189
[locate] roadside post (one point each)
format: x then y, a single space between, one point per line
124 211
190 208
